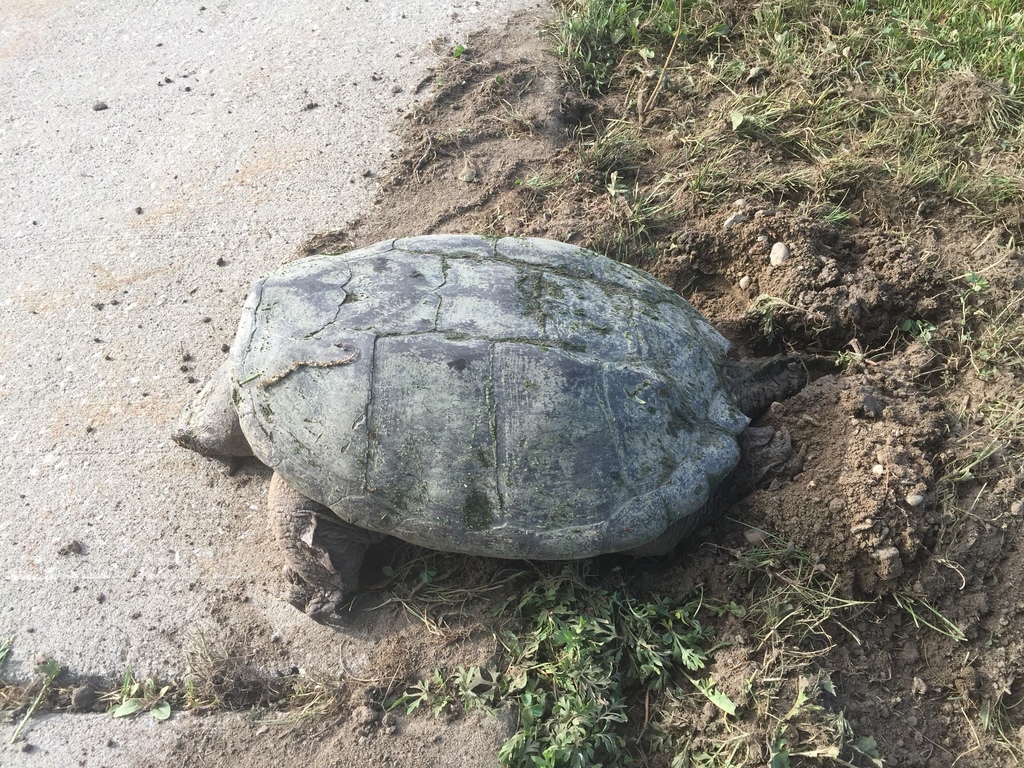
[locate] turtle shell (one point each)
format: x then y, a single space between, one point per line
513 398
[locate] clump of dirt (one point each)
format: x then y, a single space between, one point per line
833 290
865 502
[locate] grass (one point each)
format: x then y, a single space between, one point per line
595 671
218 679
816 104
792 605
598 673
982 342
575 670
48 672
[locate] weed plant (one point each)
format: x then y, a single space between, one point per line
581 661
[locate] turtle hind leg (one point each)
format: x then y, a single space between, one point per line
756 384
322 553
765 454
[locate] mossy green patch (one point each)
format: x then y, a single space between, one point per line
477 514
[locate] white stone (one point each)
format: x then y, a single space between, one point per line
734 219
779 254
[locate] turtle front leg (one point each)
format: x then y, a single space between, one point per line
322 553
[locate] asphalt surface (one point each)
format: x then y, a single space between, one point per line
155 158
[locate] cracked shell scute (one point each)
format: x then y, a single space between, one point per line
511 398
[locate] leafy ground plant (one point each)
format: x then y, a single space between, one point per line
137 696
598 673
579 670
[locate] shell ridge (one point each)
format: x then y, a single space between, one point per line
368 417
492 427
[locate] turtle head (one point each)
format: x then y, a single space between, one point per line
209 424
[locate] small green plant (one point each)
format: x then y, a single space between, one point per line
583 658
137 696
919 330
49 670
432 692
587 651
834 739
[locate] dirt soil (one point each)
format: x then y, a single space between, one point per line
875 436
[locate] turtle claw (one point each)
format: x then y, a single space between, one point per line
321 605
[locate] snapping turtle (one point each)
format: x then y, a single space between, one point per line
518 398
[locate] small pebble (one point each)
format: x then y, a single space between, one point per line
836 506
779 255
82 698
734 219
878 469
919 687
69 547
915 499
1017 508
741 204
99 106
754 536
744 283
